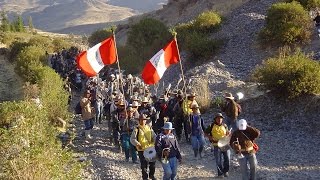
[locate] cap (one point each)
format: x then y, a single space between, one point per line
242 124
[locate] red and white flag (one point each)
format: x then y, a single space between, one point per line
158 64
94 59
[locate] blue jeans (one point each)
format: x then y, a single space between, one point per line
127 147
170 169
251 158
88 124
231 123
98 105
197 141
218 154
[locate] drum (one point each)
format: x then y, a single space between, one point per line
223 143
150 154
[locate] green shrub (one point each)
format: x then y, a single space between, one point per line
98 36
28 60
60 43
8 38
129 59
15 48
199 46
286 23
145 39
145 33
54 98
42 42
308 4
207 21
28 146
290 75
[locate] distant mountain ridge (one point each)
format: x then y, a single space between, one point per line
56 15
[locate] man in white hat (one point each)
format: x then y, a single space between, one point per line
230 108
242 141
168 151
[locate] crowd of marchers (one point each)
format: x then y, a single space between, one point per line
148 127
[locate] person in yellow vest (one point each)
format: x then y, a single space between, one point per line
187 111
142 138
216 131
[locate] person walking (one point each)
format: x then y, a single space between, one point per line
231 109
216 131
242 141
168 152
142 138
87 113
197 131
127 126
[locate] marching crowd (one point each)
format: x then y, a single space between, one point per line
149 127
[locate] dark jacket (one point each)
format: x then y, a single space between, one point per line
246 139
167 141
230 108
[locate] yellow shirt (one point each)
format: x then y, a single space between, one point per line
218 132
145 137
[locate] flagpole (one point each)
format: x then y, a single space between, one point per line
181 69
120 77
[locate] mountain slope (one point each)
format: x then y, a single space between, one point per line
55 15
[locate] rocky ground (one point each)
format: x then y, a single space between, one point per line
289 129
288 148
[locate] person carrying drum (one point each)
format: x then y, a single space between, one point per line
242 141
143 137
215 132
168 151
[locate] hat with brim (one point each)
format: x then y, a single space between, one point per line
135 104
145 100
218 115
192 95
228 96
121 103
168 125
143 117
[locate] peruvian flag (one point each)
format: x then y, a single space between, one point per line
94 59
158 64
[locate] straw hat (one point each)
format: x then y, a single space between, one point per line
145 100
121 103
192 94
135 104
143 117
228 95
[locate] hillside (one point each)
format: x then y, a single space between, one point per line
63 14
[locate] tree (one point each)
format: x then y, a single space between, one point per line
30 24
98 36
18 24
5 24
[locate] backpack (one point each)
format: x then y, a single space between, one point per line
78 109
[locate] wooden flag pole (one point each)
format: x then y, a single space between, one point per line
181 69
120 77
